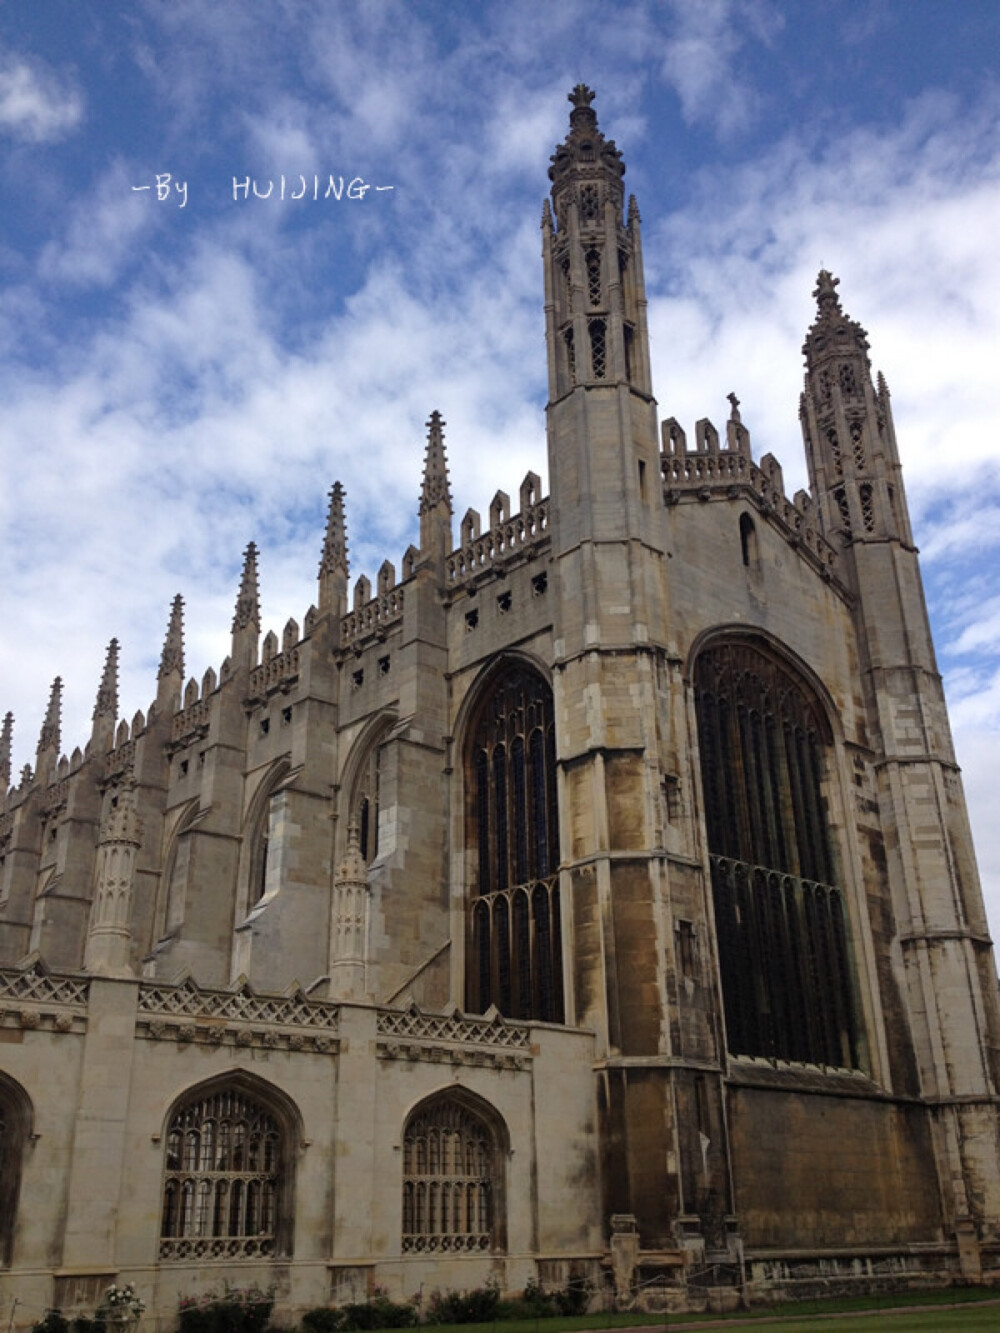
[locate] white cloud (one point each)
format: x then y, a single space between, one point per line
36 105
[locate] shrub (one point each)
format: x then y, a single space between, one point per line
479 1306
53 1321
238 1310
323 1320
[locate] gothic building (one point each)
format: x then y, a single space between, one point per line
594 897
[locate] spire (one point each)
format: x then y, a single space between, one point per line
5 746
106 704
832 334
49 739
172 657
435 487
586 167
334 557
248 602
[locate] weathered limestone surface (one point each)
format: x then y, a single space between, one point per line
333 877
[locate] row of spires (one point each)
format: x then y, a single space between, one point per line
435 490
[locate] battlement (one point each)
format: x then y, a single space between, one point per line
713 471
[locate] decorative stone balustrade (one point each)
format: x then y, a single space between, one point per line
374 617
507 539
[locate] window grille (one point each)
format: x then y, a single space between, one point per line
858 445
451 1185
593 258
589 203
782 924
222 1179
598 348
845 513
848 383
515 953
867 508
834 443
570 355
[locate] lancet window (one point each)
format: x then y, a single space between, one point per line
224 1179
516 952
367 801
782 921
452 1180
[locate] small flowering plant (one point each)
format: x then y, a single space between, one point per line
123 1301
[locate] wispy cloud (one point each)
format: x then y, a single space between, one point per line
37 105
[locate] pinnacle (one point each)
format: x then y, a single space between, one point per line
334 557
248 601
106 704
5 744
826 294
435 489
49 738
172 657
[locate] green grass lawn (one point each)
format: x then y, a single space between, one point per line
887 1314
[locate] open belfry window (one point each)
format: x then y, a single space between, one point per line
515 958
782 923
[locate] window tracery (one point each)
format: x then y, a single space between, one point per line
223 1178
452 1180
515 955
781 920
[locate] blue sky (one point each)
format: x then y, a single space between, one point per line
177 381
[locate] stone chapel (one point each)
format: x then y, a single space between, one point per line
593 898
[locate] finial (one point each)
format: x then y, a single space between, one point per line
107 692
826 293
734 405
172 657
248 602
49 737
352 869
435 489
581 96
5 744
334 555
633 209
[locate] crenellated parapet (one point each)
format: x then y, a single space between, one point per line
715 471
508 539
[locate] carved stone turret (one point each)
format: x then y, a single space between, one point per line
49 738
847 425
106 705
6 734
349 927
435 494
170 677
246 620
109 939
334 567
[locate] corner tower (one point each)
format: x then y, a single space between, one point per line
613 671
945 957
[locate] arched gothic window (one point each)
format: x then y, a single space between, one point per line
782 921
15 1129
227 1178
453 1195
515 955
367 803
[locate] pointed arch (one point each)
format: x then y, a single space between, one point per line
229 1170
766 745
16 1126
455 1147
259 842
514 937
362 784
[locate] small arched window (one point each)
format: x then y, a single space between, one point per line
515 954
781 919
15 1131
227 1178
453 1185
